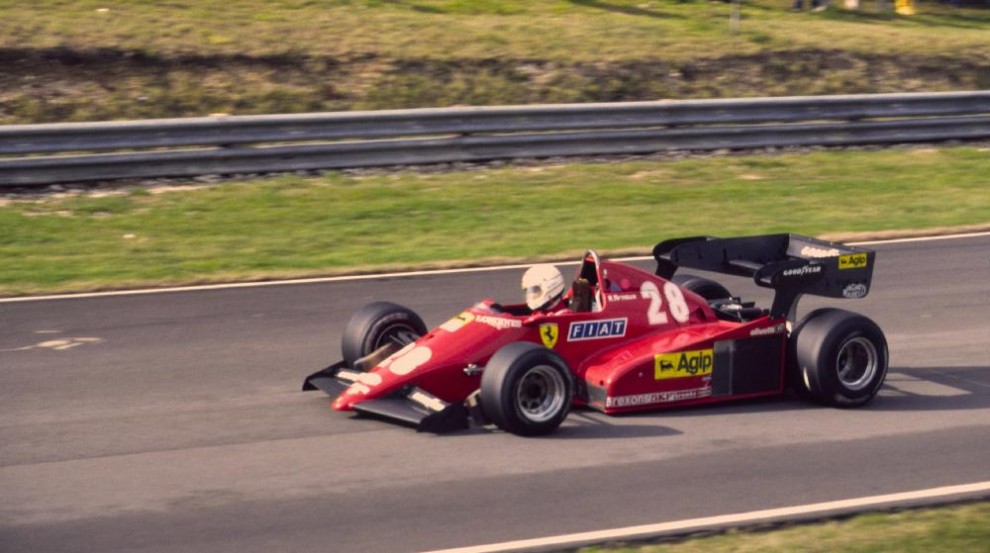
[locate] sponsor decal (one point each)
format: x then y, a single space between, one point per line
803 270
428 401
597 330
458 322
362 383
371 379
776 329
657 397
621 297
855 290
549 333
811 251
406 349
683 364
498 322
852 261
358 389
409 361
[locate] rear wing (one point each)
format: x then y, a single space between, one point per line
791 264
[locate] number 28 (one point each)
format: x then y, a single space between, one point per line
675 303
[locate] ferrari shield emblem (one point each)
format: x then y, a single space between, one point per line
549 333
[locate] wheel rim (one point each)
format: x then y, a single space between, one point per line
857 363
541 393
400 335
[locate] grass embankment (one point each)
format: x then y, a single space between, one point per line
294 226
954 529
74 60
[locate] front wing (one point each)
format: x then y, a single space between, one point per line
410 406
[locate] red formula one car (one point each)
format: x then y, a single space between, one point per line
627 340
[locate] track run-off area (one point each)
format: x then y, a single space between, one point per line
171 420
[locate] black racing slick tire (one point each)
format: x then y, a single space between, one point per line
704 287
526 389
837 358
376 325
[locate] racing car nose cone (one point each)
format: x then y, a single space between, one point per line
344 403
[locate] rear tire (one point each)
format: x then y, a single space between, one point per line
837 358
704 287
526 389
376 325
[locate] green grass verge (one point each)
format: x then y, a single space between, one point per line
85 60
293 226
954 529
567 30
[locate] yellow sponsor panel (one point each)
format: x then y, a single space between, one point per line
683 364
852 261
458 322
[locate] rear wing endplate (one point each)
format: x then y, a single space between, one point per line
791 264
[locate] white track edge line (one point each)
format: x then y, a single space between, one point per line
381 276
751 517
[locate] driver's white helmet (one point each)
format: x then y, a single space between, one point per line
542 285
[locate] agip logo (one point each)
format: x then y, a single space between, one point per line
852 261
683 364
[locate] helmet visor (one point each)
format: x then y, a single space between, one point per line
534 292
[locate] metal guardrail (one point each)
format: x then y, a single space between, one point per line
75 152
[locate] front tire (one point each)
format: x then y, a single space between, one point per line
837 358
376 325
526 389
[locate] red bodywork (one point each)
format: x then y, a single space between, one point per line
647 344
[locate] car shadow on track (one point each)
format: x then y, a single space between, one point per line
587 424
905 389
788 402
934 389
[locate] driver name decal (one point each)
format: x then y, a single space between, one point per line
596 330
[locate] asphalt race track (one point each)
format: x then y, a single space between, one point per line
174 422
